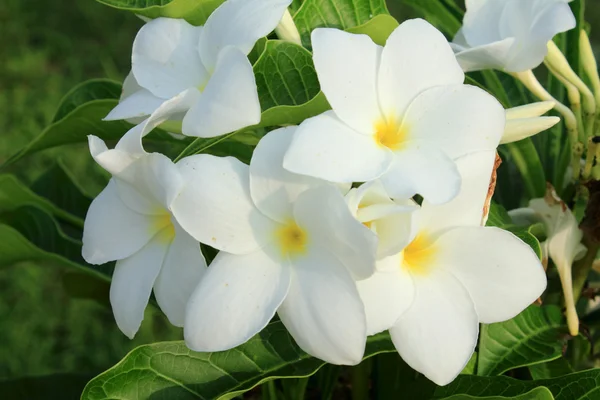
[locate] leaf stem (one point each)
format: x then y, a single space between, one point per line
360 380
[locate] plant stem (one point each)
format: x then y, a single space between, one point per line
581 268
360 380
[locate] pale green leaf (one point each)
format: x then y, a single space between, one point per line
379 28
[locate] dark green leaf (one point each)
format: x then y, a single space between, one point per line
196 12
532 337
551 369
444 15
95 89
67 386
169 370
583 385
341 14
539 393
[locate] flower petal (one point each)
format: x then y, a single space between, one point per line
326 148
323 213
386 295
487 56
347 66
230 100
458 119
480 24
132 283
438 353
215 205
235 300
273 188
165 57
502 274
238 23
409 66
183 267
172 109
138 104
323 311
113 231
425 171
467 208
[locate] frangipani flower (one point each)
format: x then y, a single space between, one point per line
453 275
400 113
563 243
288 244
389 219
199 75
525 121
131 222
509 35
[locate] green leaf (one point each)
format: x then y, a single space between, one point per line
341 14
169 370
444 15
583 385
196 12
95 89
69 385
551 369
498 216
539 393
532 337
379 28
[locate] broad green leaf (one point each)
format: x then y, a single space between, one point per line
392 376
169 370
68 385
445 15
539 393
551 369
379 28
532 337
95 89
341 14
498 217
196 12
583 385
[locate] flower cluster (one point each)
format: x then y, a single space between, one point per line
297 235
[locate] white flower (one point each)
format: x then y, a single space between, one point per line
509 35
130 221
525 121
289 244
389 219
563 242
199 75
453 275
400 113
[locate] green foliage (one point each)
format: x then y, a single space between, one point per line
172 371
539 393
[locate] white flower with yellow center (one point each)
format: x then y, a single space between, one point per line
401 113
131 222
289 244
199 75
453 275
509 35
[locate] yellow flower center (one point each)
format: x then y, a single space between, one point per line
419 255
292 239
163 225
389 134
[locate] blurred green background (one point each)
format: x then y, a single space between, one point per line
47 48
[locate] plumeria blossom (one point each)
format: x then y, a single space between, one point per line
289 244
131 222
388 218
509 35
528 120
199 75
563 242
454 274
401 113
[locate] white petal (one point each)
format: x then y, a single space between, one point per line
238 23
128 149
165 57
132 283
438 333
273 188
394 231
182 269
172 109
409 65
235 300
326 148
519 129
230 100
347 66
112 231
323 311
466 209
481 21
386 295
425 171
487 56
215 205
502 274
323 213
458 119
138 104
530 110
